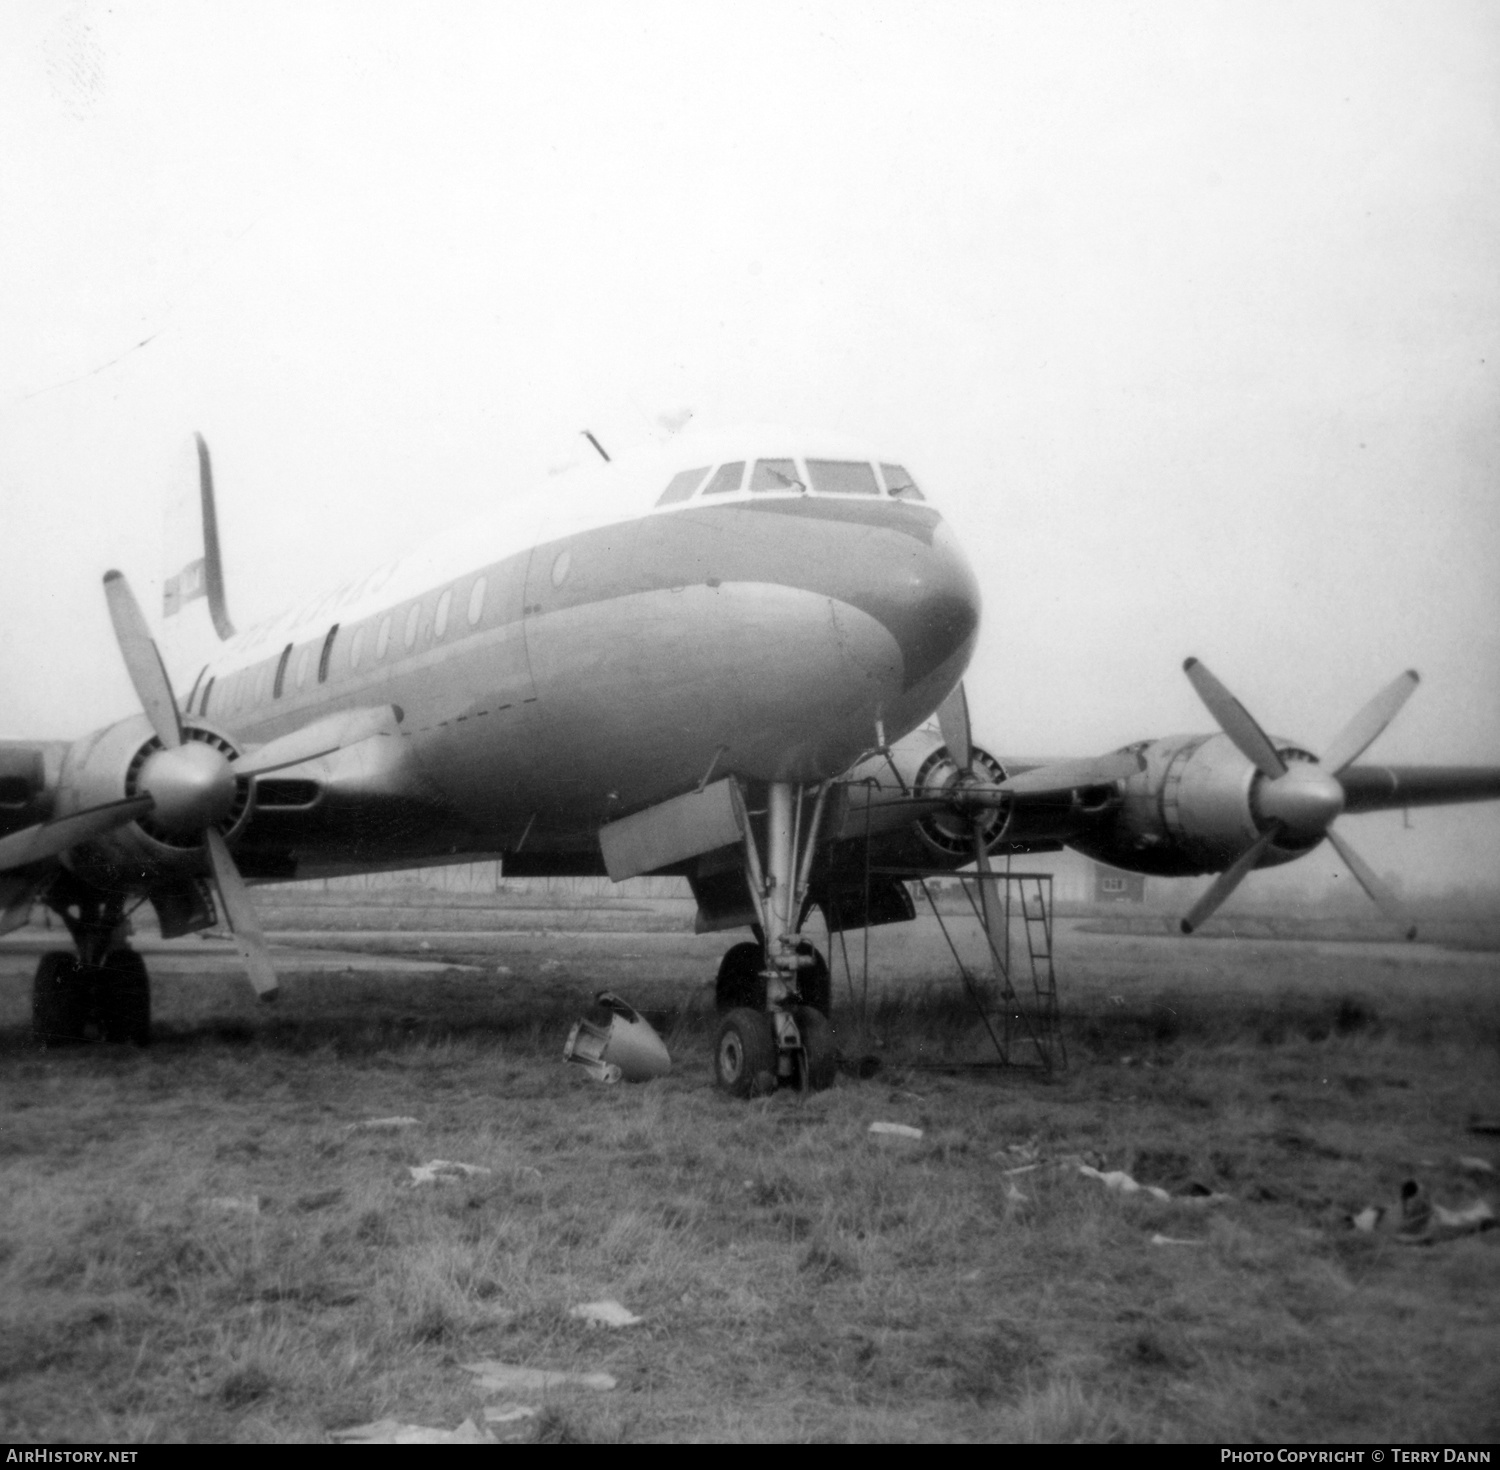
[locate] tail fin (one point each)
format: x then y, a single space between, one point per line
195 615
194 569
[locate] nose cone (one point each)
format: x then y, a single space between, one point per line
193 787
1305 800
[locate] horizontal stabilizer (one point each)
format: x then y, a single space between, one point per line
47 839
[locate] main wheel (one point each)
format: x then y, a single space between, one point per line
745 1053
820 1053
125 998
60 1000
814 983
740 983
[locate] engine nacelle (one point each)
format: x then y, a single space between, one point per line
1191 810
107 766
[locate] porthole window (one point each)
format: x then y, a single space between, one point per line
357 648
476 602
560 568
413 621
304 663
383 637
327 653
440 621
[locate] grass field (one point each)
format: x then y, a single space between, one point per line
195 1244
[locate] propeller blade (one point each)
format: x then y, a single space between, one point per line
1227 882
240 912
1064 776
1385 900
322 737
1359 734
47 839
953 721
989 904
1235 720
142 660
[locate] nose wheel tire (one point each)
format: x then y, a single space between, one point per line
60 1001
820 1055
745 1053
125 999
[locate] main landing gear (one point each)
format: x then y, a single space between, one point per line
775 995
102 993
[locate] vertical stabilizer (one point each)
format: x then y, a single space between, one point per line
194 567
195 614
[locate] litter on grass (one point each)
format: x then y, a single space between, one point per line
444 1171
894 1130
235 1204
605 1314
382 1125
615 1041
1417 1220
513 1378
1121 1183
392 1431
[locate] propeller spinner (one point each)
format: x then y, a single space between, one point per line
1298 801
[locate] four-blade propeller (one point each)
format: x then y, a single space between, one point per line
191 784
1298 800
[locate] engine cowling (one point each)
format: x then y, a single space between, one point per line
904 802
1192 809
127 759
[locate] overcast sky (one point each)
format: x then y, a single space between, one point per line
1189 314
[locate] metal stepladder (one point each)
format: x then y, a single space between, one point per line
1018 1000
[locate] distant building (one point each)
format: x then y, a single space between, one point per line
1113 886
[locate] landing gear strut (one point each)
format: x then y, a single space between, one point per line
102 993
775 996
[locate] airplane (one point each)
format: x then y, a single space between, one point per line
737 659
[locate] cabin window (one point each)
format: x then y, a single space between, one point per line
726 478
413 621
383 637
899 484
476 601
842 477
281 663
775 474
440 621
203 703
304 663
327 653
357 648
682 485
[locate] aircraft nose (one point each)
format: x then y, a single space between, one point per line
927 598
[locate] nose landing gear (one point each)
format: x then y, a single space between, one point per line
775 996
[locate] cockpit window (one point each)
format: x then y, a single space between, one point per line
842 477
726 478
682 486
775 474
899 484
